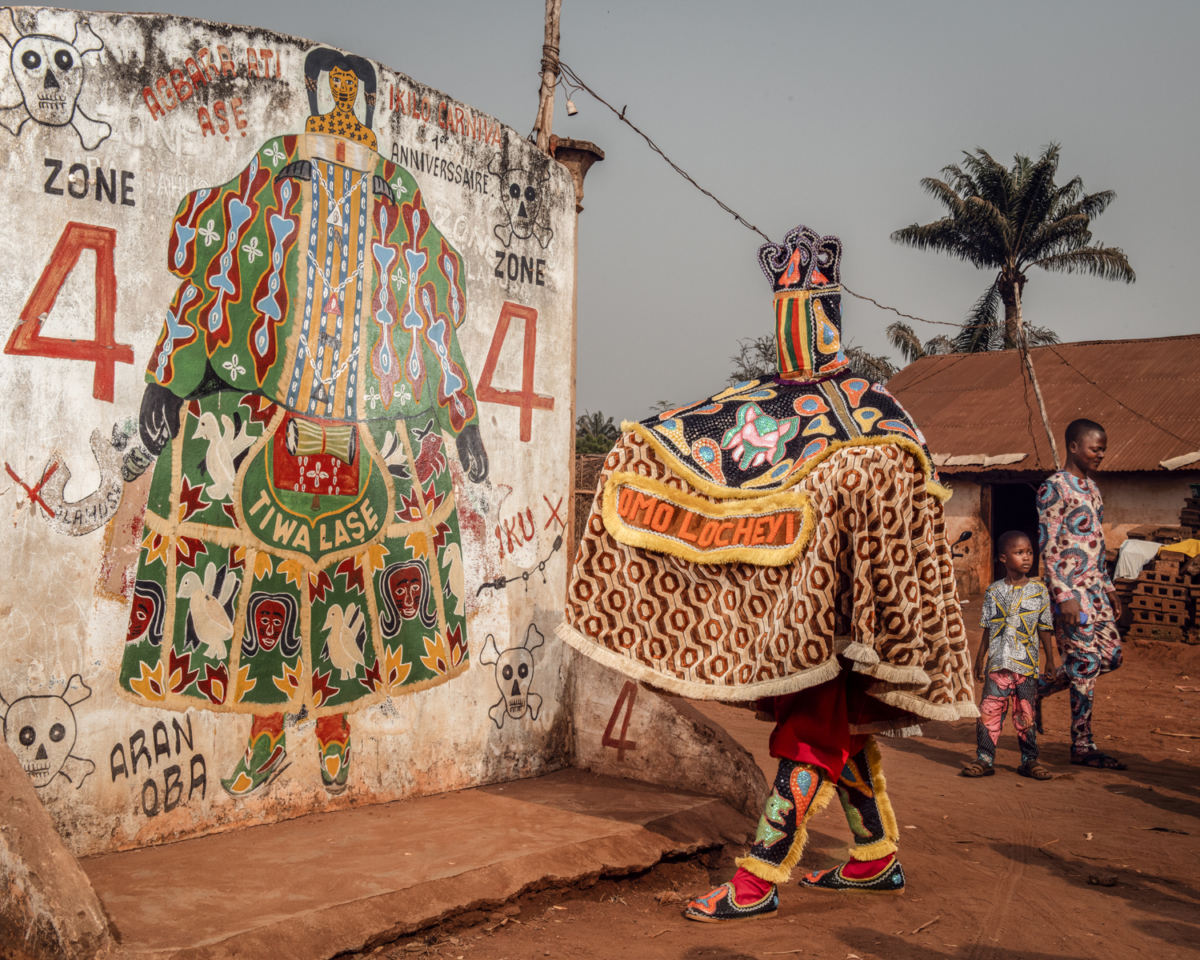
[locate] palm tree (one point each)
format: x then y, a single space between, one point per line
757 356
595 433
904 338
1009 220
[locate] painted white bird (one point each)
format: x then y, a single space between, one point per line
209 619
341 640
224 445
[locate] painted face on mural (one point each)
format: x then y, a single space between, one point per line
405 588
49 72
344 86
269 619
140 617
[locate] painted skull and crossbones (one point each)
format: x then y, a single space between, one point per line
514 674
48 72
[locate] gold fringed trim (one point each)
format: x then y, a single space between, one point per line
714 517
889 728
923 708
874 851
867 661
694 689
783 872
887 816
936 489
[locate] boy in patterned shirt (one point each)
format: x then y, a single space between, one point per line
1016 616
1071 514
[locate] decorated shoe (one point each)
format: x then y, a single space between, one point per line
719 906
333 740
889 879
265 759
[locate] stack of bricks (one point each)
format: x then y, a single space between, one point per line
1163 603
1189 516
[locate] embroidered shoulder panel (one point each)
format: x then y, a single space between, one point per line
762 436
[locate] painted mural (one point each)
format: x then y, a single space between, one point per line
285 446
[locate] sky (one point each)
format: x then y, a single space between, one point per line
824 114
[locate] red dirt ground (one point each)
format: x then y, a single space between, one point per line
1094 864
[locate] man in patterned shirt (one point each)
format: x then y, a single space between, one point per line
1071 516
1016 615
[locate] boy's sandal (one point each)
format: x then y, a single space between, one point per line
978 769
1098 761
1035 771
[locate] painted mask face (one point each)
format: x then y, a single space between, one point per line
41 732
344 86
140 617
405 587
49 72
269 618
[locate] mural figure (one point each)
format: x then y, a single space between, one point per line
48 74
523 193
514 674
301 539
41 731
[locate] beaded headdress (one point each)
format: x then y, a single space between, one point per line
805 273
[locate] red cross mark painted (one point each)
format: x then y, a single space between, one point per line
553 513
35 493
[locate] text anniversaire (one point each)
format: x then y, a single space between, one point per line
292 532
221 118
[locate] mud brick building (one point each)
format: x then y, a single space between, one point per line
980 417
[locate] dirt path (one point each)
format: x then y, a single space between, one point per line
1094 864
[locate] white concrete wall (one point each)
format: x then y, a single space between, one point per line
64 600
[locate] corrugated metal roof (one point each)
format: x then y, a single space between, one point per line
982 404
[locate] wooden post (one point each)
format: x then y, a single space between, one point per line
1023 348
545 114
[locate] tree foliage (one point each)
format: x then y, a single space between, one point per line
1009 220
756 360
595 434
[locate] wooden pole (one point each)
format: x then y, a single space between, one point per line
1023 347
545 114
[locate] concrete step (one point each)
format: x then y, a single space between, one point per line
324 884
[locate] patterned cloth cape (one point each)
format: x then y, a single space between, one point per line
739 546
301 545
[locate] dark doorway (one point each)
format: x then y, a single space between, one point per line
1014 507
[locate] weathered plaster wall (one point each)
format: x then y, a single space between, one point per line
963 512
1134 499
145 110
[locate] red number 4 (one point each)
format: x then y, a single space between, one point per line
102 350
524 398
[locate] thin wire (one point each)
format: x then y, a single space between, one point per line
1140 416
574 78
883 306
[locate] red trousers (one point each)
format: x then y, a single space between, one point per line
813 726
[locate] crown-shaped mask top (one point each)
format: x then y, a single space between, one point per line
804 261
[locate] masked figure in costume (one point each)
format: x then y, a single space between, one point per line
301 547
782 543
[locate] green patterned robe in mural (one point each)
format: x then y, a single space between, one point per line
301 546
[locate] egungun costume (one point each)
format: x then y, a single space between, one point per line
782 541
301 548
